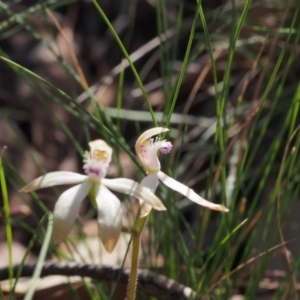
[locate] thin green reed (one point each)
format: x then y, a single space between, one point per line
134 71
182 71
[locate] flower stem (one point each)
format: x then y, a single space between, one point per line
134 266
137 230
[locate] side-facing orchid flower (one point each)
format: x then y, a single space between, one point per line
146 148
95 185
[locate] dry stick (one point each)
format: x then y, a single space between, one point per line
248 229
244 129
71 51
134 56
272 49
242 266
285 250
247 81
253 68
149 64
219 167
132 19
253 110
194 91
150 282
200 79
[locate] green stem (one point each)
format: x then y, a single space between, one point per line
134 266
137 230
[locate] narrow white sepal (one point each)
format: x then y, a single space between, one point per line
151 182
67 208
189 193
52 179
109 217
130 187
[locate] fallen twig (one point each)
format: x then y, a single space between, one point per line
150 282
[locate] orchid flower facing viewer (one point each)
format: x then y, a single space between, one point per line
146 148
94 184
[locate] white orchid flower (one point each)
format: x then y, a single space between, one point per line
146 148
94 184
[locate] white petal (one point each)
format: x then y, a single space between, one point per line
151 182
189 193
109 217
130 187
52 179
67 208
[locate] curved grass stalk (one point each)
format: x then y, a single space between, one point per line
134 71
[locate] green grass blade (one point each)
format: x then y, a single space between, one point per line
137 77
182 72
8 230
41 259
28 249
